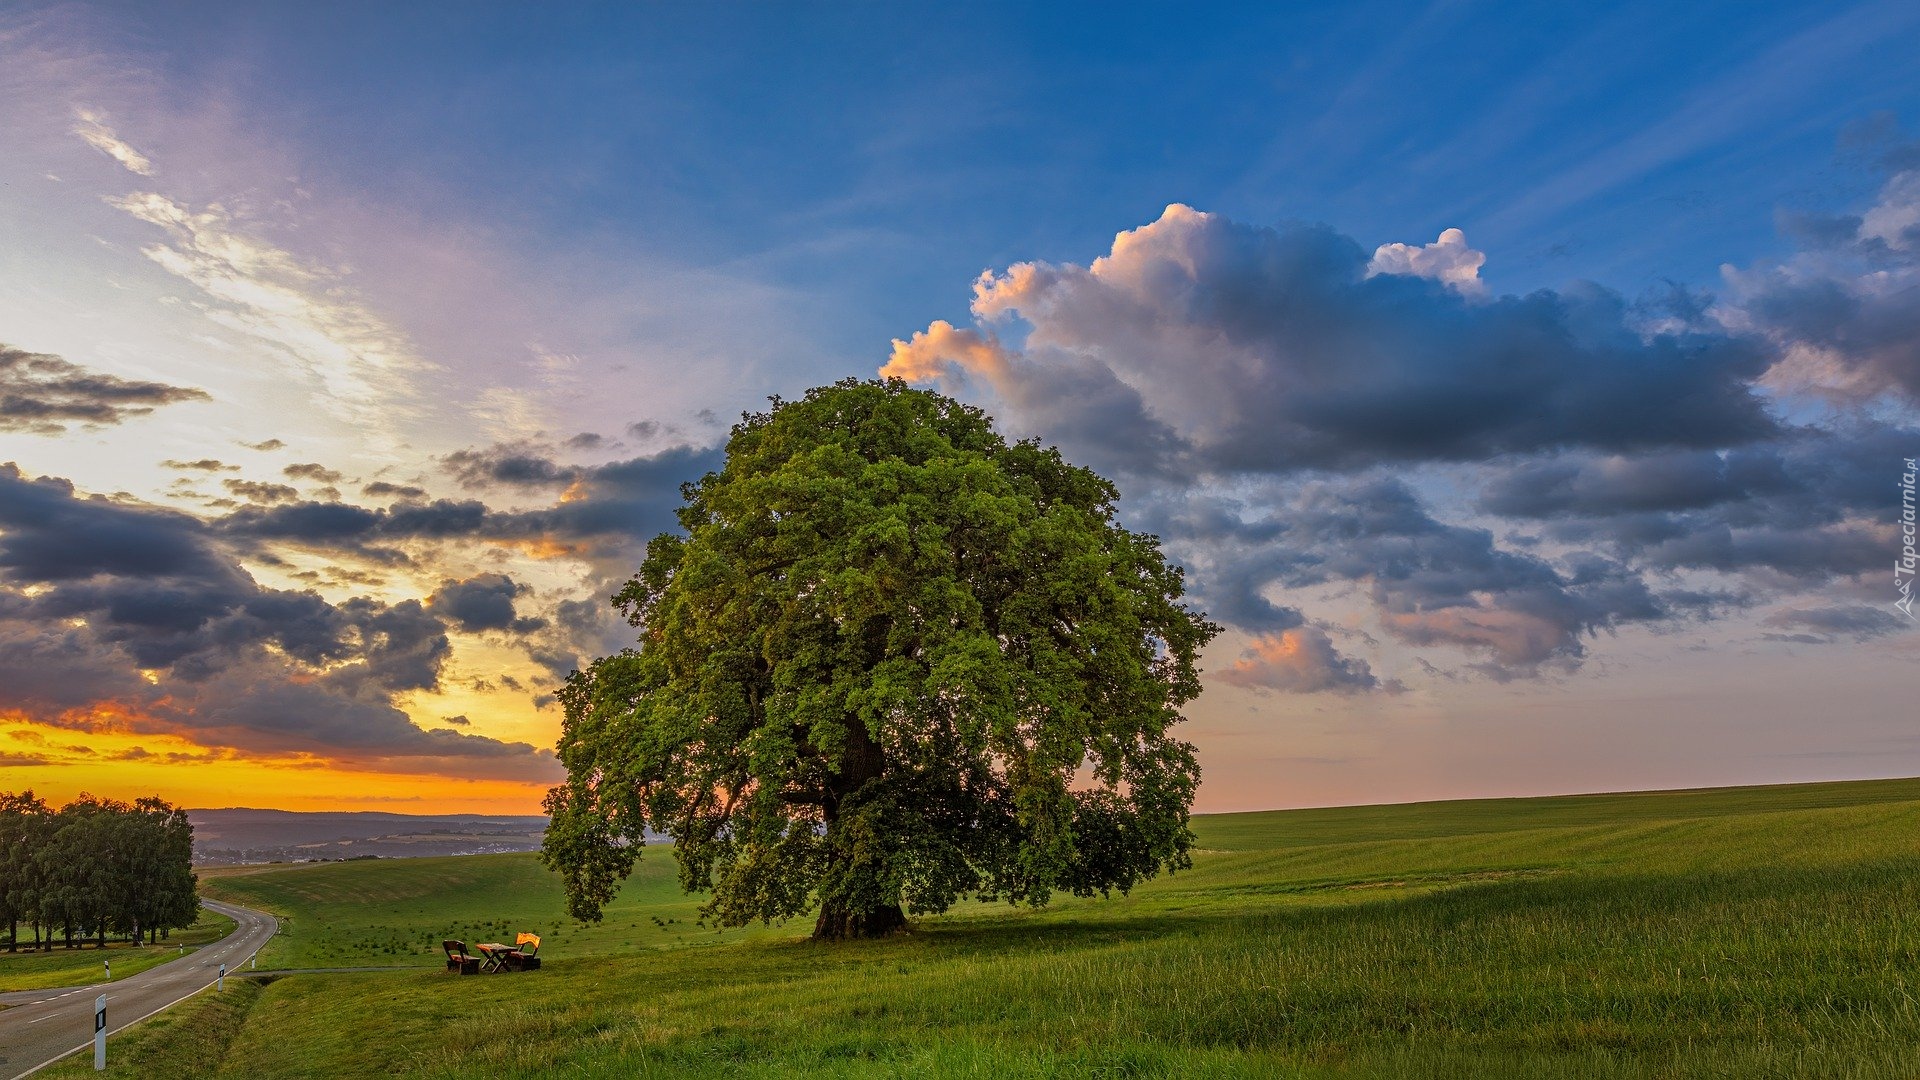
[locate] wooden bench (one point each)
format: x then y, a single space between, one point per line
523 957
459 960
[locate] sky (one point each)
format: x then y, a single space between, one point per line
1527 389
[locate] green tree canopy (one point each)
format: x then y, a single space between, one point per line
95 865
894 660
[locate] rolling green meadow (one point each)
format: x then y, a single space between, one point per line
1756 932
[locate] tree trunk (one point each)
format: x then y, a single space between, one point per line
848 907
838 923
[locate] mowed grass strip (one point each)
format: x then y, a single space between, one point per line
1746 942
26 970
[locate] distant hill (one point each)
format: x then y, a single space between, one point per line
243 835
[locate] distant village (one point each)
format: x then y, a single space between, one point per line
242 836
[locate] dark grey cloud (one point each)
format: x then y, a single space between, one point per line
258 491
267 446
1804 506
49 533
607 516
1084 405
109 602
1435 583
512 465
42 394
1611 486
1425 582
485 602
201 465
1859 340
1821 624
312 470
380 489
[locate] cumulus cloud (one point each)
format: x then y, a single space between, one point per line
1262 392
926 356
41 394
1302 661
1447 260
1236 349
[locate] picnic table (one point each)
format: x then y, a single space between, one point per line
492 957
496 955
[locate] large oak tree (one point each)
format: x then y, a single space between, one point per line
893 660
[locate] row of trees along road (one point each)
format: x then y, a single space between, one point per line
94 867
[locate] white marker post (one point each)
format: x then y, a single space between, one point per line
109 965
100 1033
222 985
253 961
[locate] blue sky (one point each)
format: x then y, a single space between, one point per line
412 318
873 156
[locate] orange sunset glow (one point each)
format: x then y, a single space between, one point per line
66 763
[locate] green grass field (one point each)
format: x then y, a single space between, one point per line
395 912
1761 932
71 967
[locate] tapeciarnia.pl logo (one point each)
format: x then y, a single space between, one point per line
1903 567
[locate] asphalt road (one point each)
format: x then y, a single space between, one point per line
42 1026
